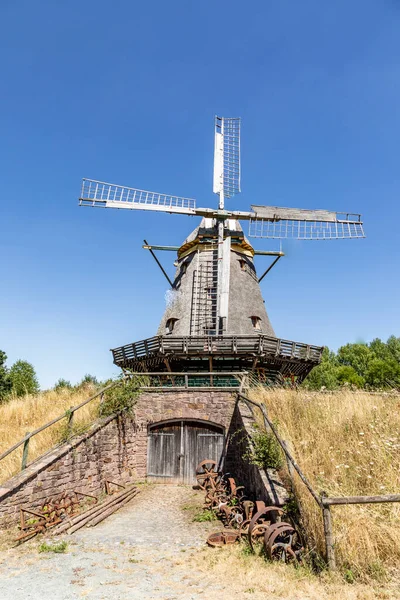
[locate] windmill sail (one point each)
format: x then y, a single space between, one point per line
302 224
227 156
109 195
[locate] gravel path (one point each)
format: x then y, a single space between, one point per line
139 552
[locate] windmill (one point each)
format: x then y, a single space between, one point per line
216 318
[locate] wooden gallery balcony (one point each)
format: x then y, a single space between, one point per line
220 353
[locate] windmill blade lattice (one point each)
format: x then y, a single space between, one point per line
283 223
227 156
109 195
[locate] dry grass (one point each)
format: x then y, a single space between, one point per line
245 576
348 445
27 413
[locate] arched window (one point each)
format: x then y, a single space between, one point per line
256 322
242 264
169 326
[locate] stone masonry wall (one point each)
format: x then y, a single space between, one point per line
106 451
114 448
153 407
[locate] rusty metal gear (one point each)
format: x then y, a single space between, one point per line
282 543
259 523
206 474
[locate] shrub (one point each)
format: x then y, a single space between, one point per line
265 452
62 384
88 380
121 397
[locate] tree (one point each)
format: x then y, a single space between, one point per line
358 356
380 349
23 378
325 374
393 345
383 373
5 381
346 374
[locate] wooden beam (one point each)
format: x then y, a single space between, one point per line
170 248
326 501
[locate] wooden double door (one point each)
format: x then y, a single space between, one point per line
175 448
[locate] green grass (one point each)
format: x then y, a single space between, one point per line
204 515
59 548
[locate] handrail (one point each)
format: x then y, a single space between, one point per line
67 414
282 444
324 502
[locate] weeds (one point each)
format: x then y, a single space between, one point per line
205 515
121 397
264 451
67 431
59 548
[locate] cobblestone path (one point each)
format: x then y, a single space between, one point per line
140 552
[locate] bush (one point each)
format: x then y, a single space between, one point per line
120 397
88 380
266 452
62 384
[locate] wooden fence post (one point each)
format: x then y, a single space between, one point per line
25 451
329 543
70 417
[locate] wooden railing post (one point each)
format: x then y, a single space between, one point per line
70 417
329 542
25 451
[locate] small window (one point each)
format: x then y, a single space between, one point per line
169 327
184 267
242 264
256 322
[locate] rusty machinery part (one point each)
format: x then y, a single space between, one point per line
260 505
271 530
49 514
215 499
248 508
236 491
231 516
259 523
206 474
109 490
222 538
235 517
244 528
283 544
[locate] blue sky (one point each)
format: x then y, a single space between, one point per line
126 92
